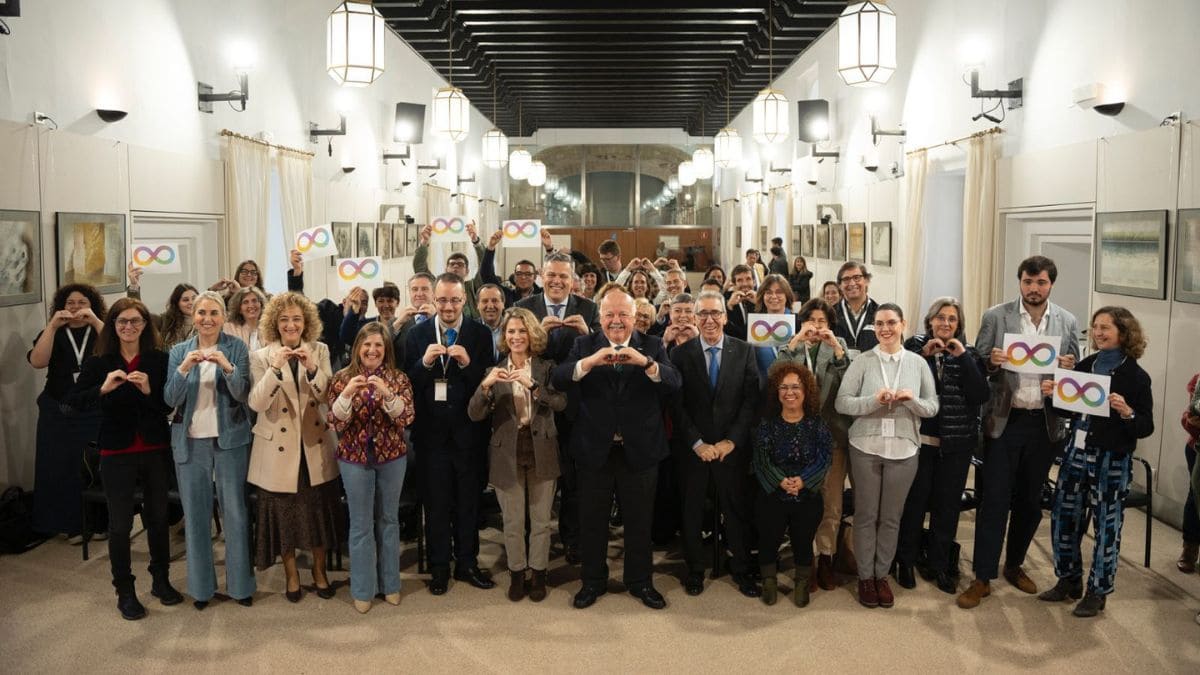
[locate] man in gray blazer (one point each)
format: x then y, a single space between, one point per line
1021 433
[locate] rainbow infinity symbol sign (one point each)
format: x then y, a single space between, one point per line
144 255
520 230
1042 354
762 331
1081 392
349 270
318 237
451 225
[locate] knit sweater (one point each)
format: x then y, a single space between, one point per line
785 449
864 377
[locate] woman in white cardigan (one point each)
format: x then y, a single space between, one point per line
887 390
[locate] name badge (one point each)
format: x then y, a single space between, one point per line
1080 439
888 427
75 376
440 389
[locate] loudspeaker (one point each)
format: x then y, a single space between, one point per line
410 123
813 124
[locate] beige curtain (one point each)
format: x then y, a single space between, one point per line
295 191
438 203
980 237
915 168
247 198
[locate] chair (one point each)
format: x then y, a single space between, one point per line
1135 499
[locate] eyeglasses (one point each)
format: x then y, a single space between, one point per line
448 301
891 323
855 278
607 258
522 274
133 323
248 272
456 263
791 387
709 313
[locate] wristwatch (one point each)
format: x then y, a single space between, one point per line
649 364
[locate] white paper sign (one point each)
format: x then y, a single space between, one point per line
770 330
1081 392
366 273
156 257
1031 354
316 242
518 233
448 229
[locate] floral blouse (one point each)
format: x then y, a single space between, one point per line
373 432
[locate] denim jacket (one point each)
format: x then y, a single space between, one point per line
233 417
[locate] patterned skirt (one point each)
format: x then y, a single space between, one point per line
311 518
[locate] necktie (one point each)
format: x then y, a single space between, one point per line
618 367
557 310
712 366
451 336
420 318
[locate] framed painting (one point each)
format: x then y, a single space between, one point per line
412 238
1187 256
384 239
795 243
763 243
398 240
822 249
364 237
807 247
856 247
1131 255
391 213
837 241
343 238
92 250
881 243
20 257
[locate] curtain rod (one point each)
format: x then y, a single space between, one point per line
993 130
227 132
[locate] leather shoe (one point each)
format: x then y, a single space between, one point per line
694 583
747 587
868 595
572 556
166 593
294 596
440 583
246 601
586 597
905 577
1187 558
649 596
946 583
884 591
1090 606
516 586
975 593
200 605
1065 589
1017 577
326 593
130 608
537 586
474 576
825 578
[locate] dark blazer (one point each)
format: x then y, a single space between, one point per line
610 403
125 411
498 405
561 339
1113 433
735 326
463 382
702 414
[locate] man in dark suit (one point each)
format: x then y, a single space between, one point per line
711 436
620 379
420 308
565 316
739 301
446 361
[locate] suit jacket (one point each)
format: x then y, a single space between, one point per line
287 417
499 405
736 325
233 419
1006 318
560 340
610 402
701 413
125 411
449 415
829 371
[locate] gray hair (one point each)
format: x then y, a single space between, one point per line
212 296
558 257
682 297
938 305
711 295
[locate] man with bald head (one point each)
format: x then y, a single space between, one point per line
620 378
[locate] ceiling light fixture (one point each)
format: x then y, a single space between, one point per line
770 107
537 173
687 173
451 109
867 44
520 159
495 143
727 146
354 43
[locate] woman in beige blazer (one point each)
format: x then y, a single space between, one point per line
292 457
523 453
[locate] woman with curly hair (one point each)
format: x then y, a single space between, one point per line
245 309
292 457
1095 471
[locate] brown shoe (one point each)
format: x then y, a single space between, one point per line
537 586
516 587
884 591
1017 577
975 593
1187 559
868 596
824 576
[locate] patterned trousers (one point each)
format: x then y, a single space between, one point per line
1093 480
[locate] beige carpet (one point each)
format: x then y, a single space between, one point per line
58 614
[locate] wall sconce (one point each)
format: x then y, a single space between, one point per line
1015 94
398 155
314 131
779 169
1098 98
467 179
436 166
348 169
241 94
110 115
876 132
822 154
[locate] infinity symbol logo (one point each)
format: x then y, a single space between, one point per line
350 270
516 230
144 255
319 237
1081 392
1032 353
451 225
761 330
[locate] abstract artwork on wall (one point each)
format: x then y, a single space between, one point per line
1187 256
881 243
837 241
823 241
20 257
384 239
91 250
398 240
364 234
856 249
1132 253
412 238
343 238
807 247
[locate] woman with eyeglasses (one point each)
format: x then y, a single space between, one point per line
774 297
125 381
246 274
245 309
888 390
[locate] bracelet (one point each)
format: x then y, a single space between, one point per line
650 363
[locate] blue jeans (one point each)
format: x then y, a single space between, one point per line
373 495
206 459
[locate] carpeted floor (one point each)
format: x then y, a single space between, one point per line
58 614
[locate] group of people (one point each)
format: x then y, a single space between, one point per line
555 382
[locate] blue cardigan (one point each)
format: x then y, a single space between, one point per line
233 417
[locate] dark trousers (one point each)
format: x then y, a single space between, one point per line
451 476
1010 484
568 485
798 519
727 477
1191 519
937 490
122 475
635 492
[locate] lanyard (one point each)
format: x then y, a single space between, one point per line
855 330
883 371
78 348
808 359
